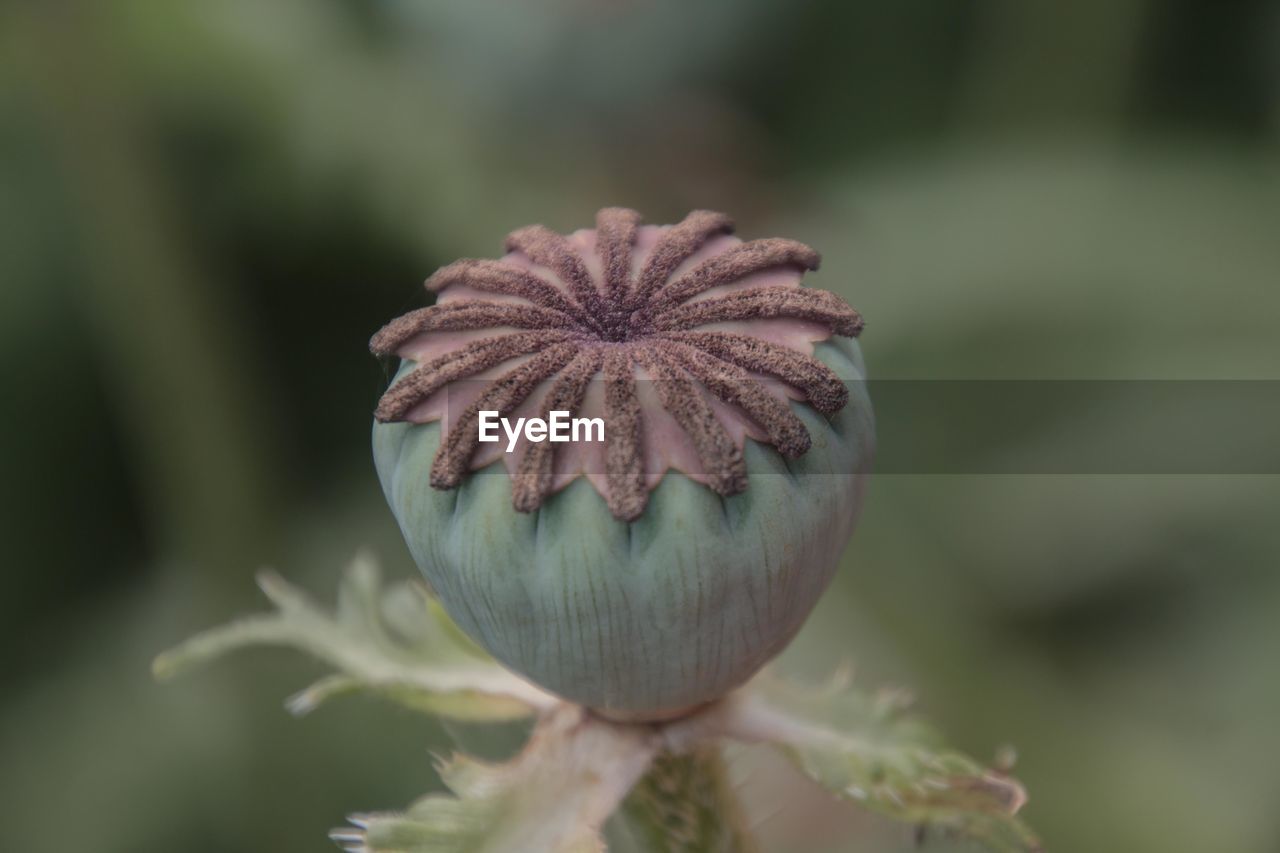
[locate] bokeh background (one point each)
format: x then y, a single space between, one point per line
206 209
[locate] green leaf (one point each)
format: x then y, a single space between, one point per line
577 768
862 747
554 796
398 643
685 804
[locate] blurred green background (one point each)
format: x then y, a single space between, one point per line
207 208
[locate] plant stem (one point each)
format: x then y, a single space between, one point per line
686 804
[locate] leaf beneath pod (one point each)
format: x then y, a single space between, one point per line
577 768
397 643
553 797
862 747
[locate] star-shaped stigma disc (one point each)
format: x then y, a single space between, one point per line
686 307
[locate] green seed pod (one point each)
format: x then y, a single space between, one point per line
651 569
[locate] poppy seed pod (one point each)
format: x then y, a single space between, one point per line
658 557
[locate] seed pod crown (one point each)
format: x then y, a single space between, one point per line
721 331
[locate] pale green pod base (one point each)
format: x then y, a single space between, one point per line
639 620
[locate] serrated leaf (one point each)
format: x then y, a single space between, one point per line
552 798
398 643
685 803
864 748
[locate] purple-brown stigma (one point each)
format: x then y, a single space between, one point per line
570 331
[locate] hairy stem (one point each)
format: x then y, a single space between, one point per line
686 804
